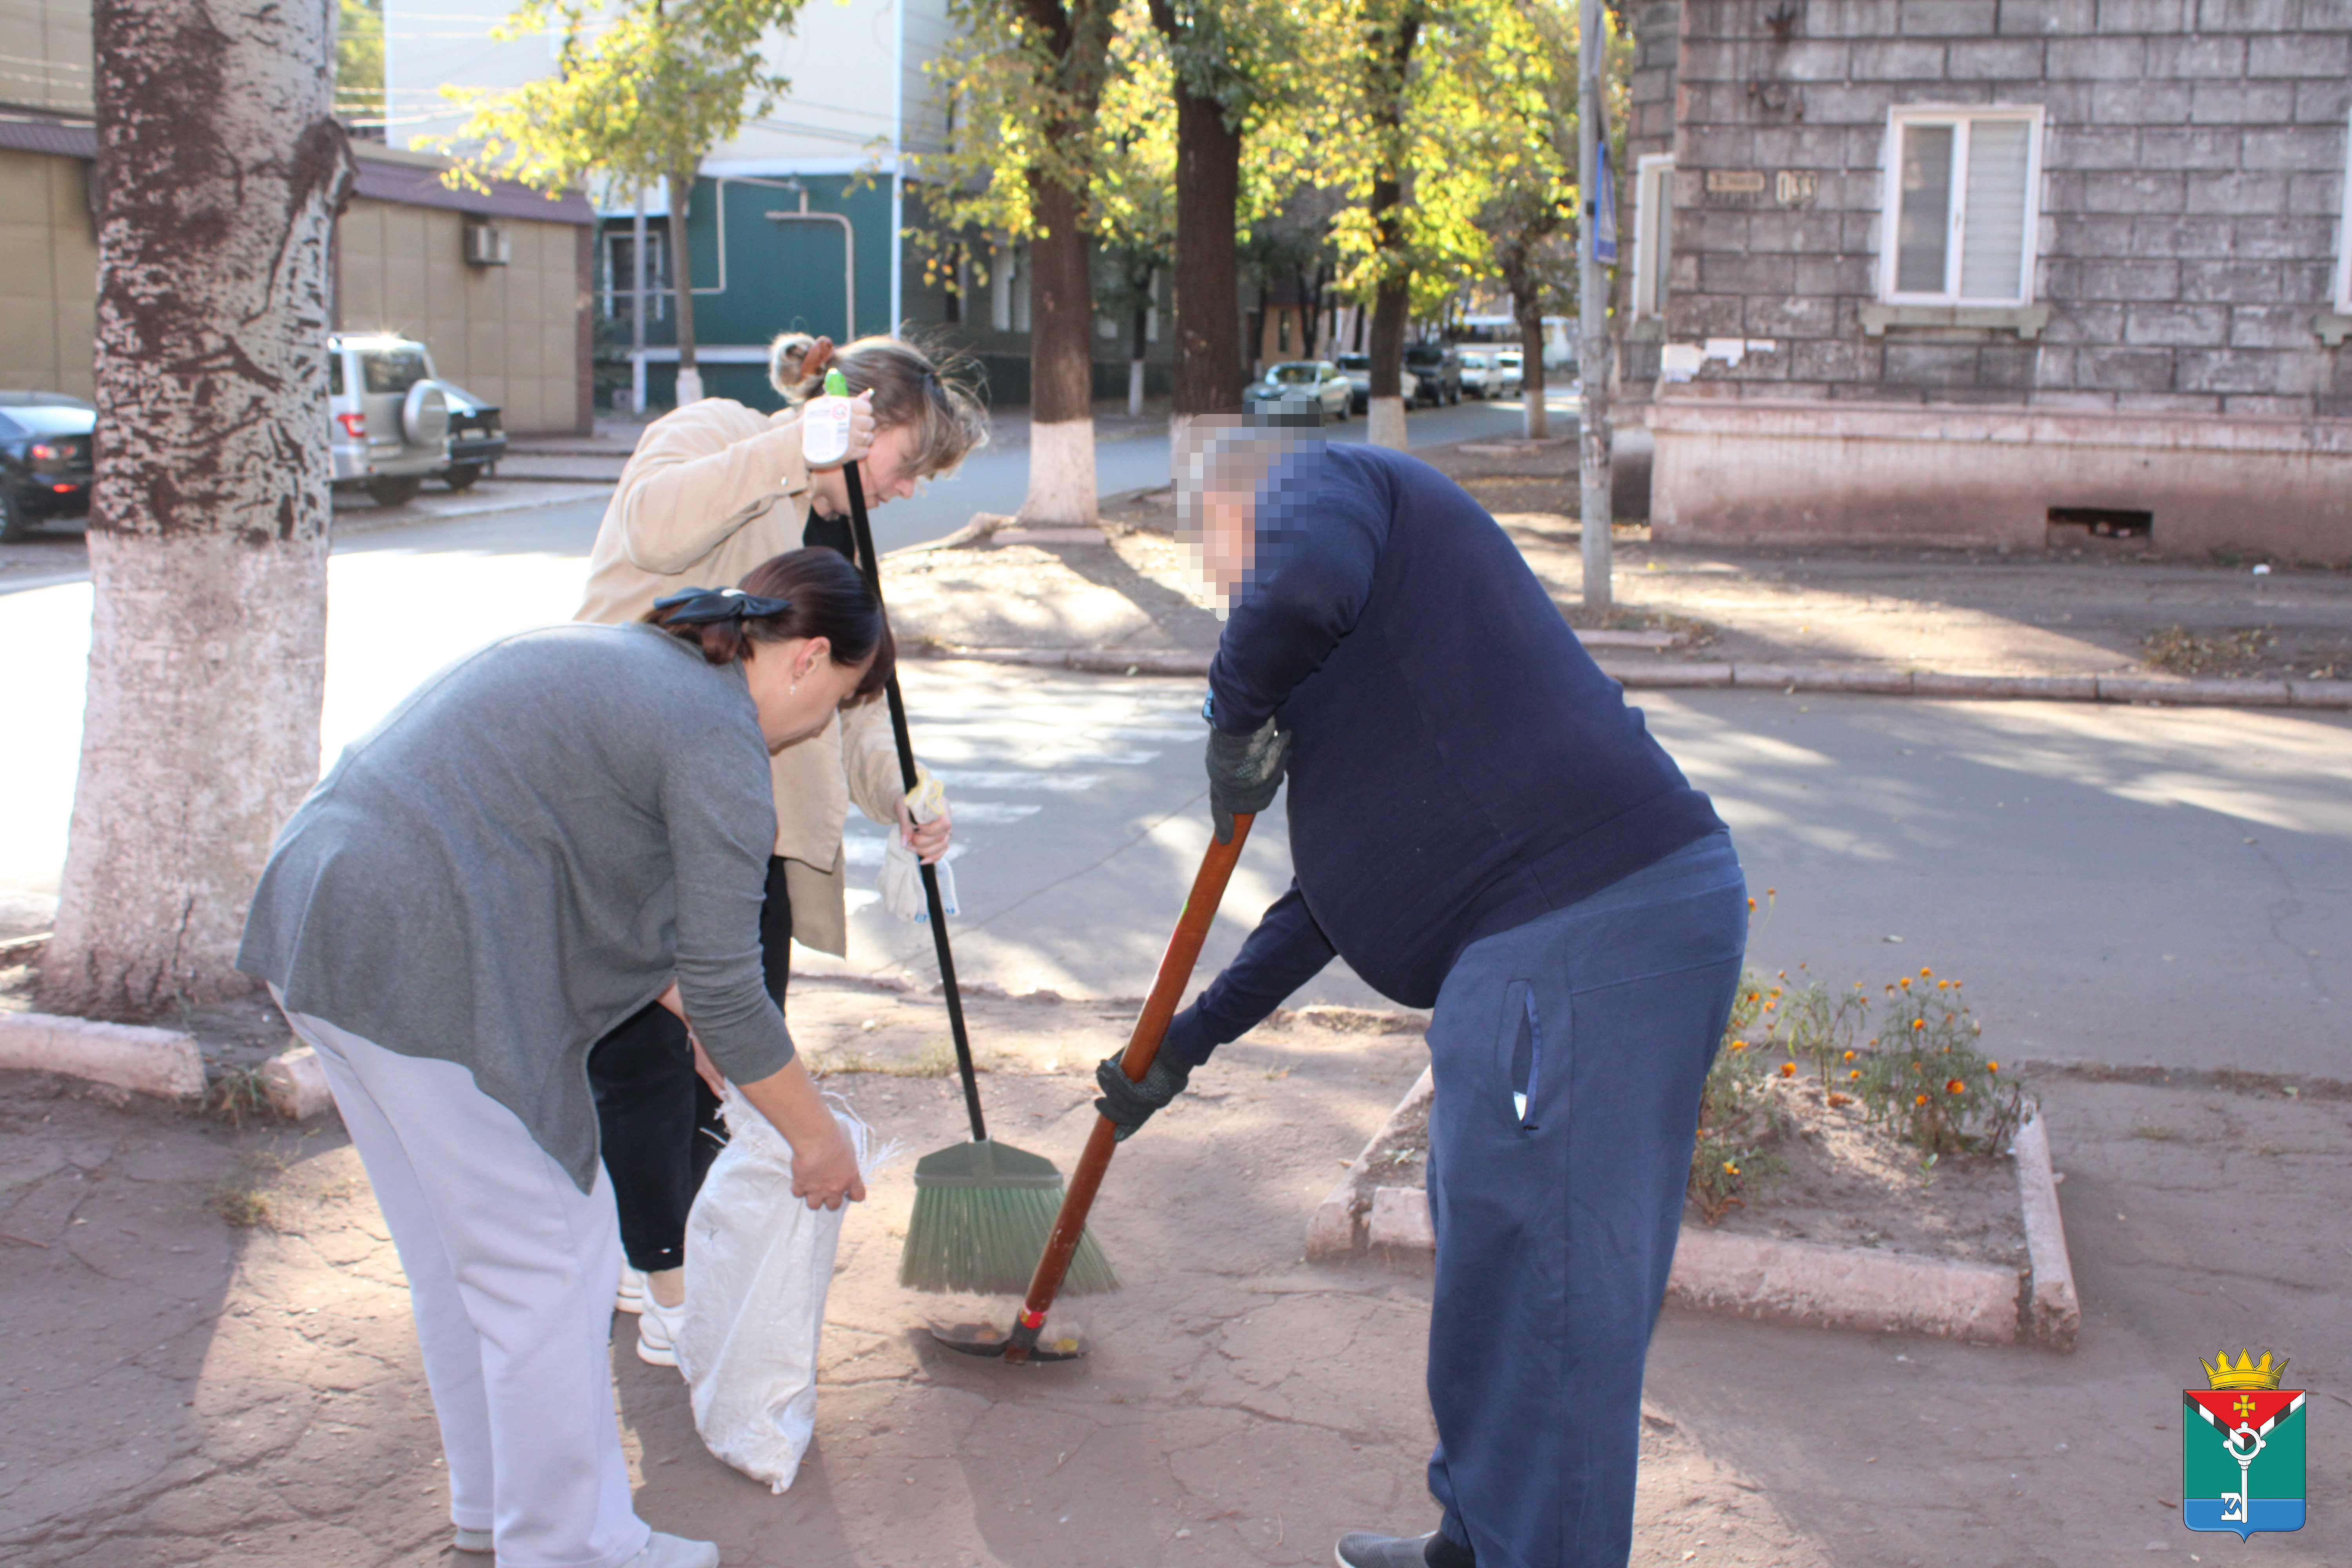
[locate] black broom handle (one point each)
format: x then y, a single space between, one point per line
872 565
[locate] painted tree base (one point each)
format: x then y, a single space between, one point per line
1387 424
1061 475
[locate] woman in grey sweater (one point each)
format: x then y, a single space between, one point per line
542 839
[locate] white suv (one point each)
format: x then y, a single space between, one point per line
389 421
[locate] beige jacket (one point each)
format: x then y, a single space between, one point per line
714 489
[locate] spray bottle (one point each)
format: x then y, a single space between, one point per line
824 424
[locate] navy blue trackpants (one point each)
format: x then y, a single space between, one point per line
1556 1224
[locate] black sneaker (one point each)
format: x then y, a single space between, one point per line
1362 1549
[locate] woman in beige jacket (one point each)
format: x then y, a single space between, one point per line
712 490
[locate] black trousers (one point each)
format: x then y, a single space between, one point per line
659 1120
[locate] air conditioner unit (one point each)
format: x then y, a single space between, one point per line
488 245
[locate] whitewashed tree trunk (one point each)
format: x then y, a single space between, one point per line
221 170
1062 475
1386 427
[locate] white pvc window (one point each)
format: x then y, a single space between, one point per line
620 271
1653 223
1961 205
2343 238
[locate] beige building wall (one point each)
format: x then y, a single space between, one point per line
45 55
510 334
49 275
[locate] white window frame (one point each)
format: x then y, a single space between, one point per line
1960 117
2344 234
657 286
1652 173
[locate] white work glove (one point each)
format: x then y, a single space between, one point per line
901 882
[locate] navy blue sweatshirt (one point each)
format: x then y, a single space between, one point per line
1458 764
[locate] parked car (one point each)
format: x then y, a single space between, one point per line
1439 368
389 415
475 441
1303 380
1357 369
1510 373
1481 377
44 460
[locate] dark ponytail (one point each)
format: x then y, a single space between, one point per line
800 594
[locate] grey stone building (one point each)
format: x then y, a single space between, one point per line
1996 271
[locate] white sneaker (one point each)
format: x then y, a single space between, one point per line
658 1330
472 1541
669 1551
630 1294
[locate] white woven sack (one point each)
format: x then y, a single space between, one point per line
758 1264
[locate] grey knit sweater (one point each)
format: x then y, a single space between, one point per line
521 856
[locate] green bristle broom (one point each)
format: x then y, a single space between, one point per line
982 1209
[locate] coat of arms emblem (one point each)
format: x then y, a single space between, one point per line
2242 1448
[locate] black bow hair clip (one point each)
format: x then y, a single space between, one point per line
701 607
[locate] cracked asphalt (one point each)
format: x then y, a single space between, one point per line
186 1393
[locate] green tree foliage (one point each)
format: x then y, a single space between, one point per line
642 91
359 60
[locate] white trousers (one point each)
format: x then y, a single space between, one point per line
510 1270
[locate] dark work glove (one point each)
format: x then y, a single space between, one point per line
1245 771
1128 1105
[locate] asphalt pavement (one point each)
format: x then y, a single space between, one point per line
2113 883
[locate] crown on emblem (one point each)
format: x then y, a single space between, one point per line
2247 1373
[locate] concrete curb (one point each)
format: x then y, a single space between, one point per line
297 1085
162 1062
1339 1228
2053 1312
1804 1282
1876 680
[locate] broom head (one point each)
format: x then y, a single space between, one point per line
982 1212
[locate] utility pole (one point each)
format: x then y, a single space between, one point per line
1592 317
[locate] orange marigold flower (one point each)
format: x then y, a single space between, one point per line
1739 1044
1993 1066
1851 1077
1918 1100
1918 1023
1751 906
1927 973
1849 1056
1955 1087
1788 1070
1943 985
1906 982
1729 1169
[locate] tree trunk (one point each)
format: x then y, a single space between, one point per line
1527 308
222 168
689 377
1208 277
1061 362
1389 56
1140 348
1387 400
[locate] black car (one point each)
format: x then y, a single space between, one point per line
475 441
1438 368
44 460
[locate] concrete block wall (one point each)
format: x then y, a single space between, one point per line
49 275
2191 188
511 333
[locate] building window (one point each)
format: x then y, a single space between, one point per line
1654 226
2344 238
621 272
1961 205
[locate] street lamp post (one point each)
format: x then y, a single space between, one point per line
1592 316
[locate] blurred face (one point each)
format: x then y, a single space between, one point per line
1228 537
796 687
889 472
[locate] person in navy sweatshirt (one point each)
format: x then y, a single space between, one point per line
1479 824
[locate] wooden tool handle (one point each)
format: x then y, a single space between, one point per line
1142 1047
